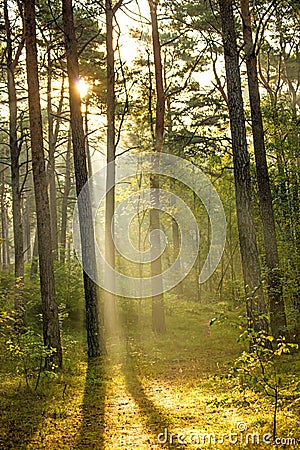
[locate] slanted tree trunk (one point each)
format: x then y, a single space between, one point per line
51 329
14 157
256 308
95 340
275 294
158 312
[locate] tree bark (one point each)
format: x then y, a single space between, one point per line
51 329
51 164
86 129
275 294
175 228
34 258
256 308
64 207
158 312
95 340
109 298
53 131
14 159
4 226
26 229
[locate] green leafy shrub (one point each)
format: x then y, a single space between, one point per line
25 349
261 368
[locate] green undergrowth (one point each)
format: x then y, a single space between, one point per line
169 391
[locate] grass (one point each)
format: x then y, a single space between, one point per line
146 385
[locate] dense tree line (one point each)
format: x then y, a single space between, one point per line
240 126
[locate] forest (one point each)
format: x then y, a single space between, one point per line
150 224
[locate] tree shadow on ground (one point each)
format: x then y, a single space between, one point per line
21 412
92 429
155 420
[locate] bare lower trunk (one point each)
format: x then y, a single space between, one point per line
3 243
256 309
158 313
175 228
51 164
51 330
95 340
87 146
34 257
64 207
15 168
26 228
275 294
109 298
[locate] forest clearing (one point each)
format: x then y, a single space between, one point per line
149 224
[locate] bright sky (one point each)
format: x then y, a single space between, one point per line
129 46
128 19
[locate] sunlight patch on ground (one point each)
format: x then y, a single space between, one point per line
124 427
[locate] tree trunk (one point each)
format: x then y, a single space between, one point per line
51 330
34 258
3 243
175 228
275 294
197 266
26 228
51 165
86 129
255 303
95 340
14 160
64 207
109 298
158 313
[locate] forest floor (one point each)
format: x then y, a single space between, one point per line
152 392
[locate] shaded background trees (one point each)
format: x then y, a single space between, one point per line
165 89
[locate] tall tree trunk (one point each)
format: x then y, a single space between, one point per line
197 266
64 207
275 294
3 243
51 165
86 129
109 298
256 308
26 229
14 158
34 257
95 340
175 228
6 236
51 329
158 312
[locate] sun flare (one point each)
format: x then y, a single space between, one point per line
82 87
